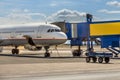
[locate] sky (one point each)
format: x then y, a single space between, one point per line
27 11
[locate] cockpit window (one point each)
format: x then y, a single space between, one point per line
54 30
48 30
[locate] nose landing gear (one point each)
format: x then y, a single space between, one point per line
47 54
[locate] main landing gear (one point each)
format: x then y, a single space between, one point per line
15 51
47 54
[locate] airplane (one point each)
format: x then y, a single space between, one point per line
34 35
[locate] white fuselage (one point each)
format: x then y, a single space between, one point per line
41 34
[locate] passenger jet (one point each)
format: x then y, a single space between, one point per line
34 35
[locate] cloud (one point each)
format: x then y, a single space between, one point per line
17 16
113 3
67 15
109 12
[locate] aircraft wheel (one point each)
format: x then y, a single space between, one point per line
13 51
47 55
94 59
17 51
100 59
107 59
88 59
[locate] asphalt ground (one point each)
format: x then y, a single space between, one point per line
61 66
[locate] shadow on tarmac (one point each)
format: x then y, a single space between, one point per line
36 56
41 56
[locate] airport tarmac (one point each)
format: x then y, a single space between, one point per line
33 66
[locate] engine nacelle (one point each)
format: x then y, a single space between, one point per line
32 48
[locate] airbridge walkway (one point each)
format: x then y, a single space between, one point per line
104 33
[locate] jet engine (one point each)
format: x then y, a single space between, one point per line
33 48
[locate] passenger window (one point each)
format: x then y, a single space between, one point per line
55 30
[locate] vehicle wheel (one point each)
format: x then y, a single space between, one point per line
100 59
79 54
88 59
76 53
94 59
47 55
107 59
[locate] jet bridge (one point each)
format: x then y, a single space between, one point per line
107 31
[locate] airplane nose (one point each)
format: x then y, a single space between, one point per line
63 36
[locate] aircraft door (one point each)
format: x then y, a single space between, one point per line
39 32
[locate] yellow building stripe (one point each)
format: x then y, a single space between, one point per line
101 29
